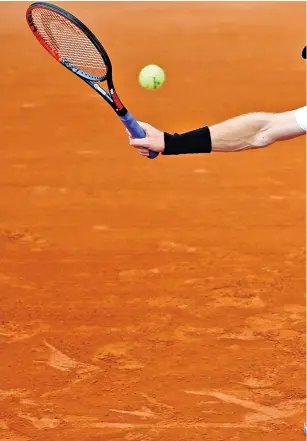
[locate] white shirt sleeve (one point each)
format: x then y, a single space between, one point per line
301 117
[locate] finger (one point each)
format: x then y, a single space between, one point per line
142 150
144 153
139 142
144 125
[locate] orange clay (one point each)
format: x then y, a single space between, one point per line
152 300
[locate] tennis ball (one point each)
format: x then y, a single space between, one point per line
151 77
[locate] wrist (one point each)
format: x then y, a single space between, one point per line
195 141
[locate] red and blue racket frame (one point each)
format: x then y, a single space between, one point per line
112 97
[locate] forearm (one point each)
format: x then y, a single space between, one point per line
251 131
241 133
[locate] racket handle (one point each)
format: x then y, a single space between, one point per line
136 131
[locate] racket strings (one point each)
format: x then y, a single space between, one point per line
68 41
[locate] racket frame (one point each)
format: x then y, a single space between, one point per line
112 97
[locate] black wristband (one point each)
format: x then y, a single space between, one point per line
196 141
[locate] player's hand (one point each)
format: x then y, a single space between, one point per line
154 140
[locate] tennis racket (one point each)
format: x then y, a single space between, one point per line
71 43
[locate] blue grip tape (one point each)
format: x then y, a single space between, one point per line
136 130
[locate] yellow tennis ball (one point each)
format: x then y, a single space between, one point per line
151 77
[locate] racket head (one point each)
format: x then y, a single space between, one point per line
69 41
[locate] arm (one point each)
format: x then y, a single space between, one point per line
254 130
250 131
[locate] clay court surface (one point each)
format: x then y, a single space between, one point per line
152 300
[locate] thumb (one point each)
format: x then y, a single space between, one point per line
145 126
140 142
148 143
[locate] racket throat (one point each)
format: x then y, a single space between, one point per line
120 109
76 70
